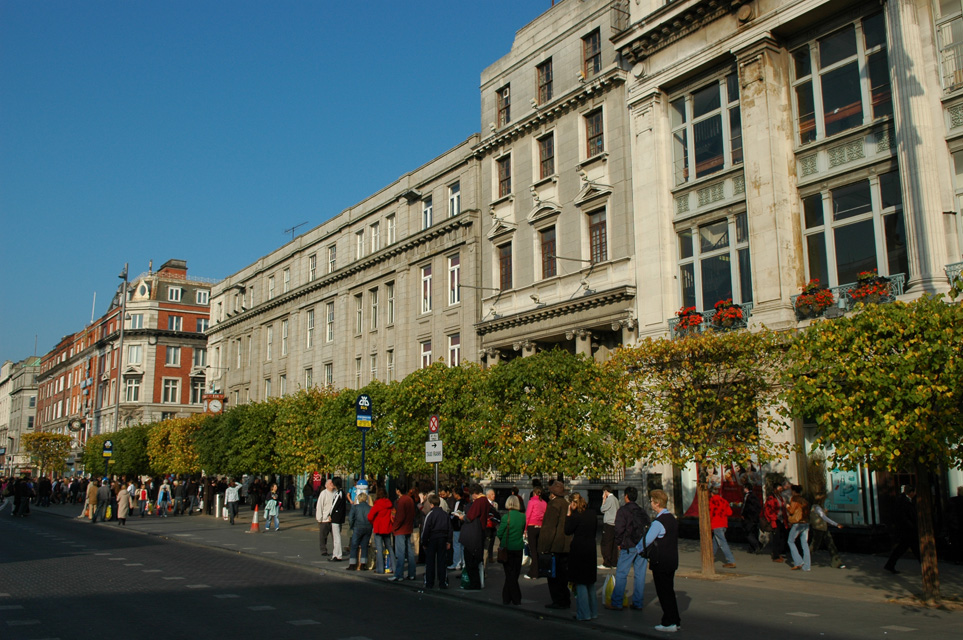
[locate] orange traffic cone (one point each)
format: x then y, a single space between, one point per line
255 525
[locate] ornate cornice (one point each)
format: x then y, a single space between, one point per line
671 23
568 307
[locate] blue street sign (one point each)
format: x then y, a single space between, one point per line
363 407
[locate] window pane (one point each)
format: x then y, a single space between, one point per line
895 244
802 63
687 278
851 200
680 157
806 106
816 250
714 236
732 87
598 243
685 244
745 275
705 100
879 85
813 210
949 7
837 47
742 228
842 100
716 280
889 190
874 30
548 252
855 250
709 149
735 134
677 112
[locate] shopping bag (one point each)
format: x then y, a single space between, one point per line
224 513
465 580
607 589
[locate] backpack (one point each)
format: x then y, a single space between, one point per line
637 528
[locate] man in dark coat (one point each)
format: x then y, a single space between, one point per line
631 523
908 536
751 510
552 539
473 535
662 541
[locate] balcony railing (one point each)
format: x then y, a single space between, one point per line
843 302
709 325
953 271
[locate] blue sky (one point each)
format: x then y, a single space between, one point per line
133 130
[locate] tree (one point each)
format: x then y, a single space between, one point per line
47 450
707 399
130 450
171 444
885 388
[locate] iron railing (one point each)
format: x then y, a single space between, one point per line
844 302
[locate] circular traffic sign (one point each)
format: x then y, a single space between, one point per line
433 424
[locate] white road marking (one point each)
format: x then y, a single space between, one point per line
803 614
896 627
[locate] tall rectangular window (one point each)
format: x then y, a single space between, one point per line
706 129
270 290
200 357
454 350
390 365
454 200
598 239
240 349
504 98
375 237
426 212
135 354
357 373
308 378
173 357
312 267
359 244
171 391
426 289
390 295
592 53
505 266
328 374
373 365
329 321
284 337
197 390
132 390
504 166
136 321
454 279
594 137
390 229
286 280
267 388
282 384
268 341
546 241
711 266
202 296
546 156
201 325
359 313
373 304
310 329
543 72
175 323
332 258
426 354
174 294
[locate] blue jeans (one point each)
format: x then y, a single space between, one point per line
359 541
629 559
458 551
268 519
805 561
404 545
382 544
719 542
586 605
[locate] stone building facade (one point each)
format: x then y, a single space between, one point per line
21 392
372 294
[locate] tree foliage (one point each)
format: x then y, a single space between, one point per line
49 451
171 445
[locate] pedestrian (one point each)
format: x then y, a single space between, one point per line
662 543
798 510
380 519
163 498
143 497
534 515
271 508
819 523
436 537
751 510
92 488
631 524
325 505
491 528
360 533
289 490
457 511
307 503
719 512
473 536
402 525
906 529
124 504
521 501
581 523
8 497
103 499
610 506
510 534
552 539
774 513
232 495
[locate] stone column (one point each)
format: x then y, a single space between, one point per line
920 145
583 341
772 201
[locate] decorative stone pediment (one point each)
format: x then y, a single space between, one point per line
501 225
592 192
543 209
133 370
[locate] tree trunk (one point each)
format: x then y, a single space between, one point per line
924 520
705 527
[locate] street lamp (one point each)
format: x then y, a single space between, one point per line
120 343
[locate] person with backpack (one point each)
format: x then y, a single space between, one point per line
631 524
798 510
661 542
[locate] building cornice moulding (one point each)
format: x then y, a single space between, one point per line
568 307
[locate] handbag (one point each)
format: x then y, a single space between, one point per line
546 565
502 556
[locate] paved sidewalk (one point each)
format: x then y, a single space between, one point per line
861 601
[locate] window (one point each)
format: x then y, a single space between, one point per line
454 350
592 53
240 349
268 341
286 281
135 354
30 422
309 377
282 384
203 296
598 242
202 325
175 323
359 245
358 313
390 364
171 391
270 289
329 374
426 213
332 258
197 391
32 402
854 228
136 321
390 295
329 322
373 301
390 229
173 358
706 129
312 267
174 294
267 388
505 266
426 354
357 372
426 289
593 134
132 390
454 279
310 329
200 356
504 165
504 98
373 362
284 337
546 242
454 200
543 73
220 311
711 266
375 237
546 156
828 87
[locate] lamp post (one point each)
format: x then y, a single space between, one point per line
120 344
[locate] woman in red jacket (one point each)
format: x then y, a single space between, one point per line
774 513
380 518
719 512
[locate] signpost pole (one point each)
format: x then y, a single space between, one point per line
364 433
363 412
